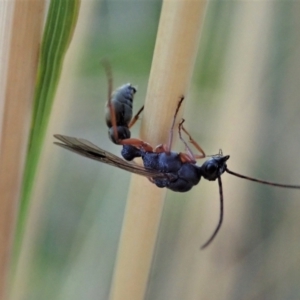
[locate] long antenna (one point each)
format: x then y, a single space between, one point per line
221 215
263 181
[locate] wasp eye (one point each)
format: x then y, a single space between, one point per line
214 167
211 168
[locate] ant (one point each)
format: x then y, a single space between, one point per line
163 167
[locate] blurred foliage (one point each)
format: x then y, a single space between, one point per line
214 42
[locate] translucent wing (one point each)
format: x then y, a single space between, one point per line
88 149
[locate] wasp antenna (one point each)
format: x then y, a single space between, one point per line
289 186
221 215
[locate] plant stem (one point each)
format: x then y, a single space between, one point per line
172 67
24 23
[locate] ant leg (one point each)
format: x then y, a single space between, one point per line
135 118
192 141
109 105
169 145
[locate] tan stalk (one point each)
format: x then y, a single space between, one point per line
172 67
20 57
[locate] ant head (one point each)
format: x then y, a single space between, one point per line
214 167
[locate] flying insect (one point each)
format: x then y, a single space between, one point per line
165 168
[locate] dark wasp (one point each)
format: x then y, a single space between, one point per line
163 167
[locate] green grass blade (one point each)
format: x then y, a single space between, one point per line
60 24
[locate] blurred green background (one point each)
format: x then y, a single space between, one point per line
244 98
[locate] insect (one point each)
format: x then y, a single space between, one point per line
163 167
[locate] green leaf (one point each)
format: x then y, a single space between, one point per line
59 28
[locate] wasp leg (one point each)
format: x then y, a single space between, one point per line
169 145
160 148
192 141
135 118
186 158
137 143
189 156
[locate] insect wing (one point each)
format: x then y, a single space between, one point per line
88 149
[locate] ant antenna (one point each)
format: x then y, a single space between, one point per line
220 218
263 181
